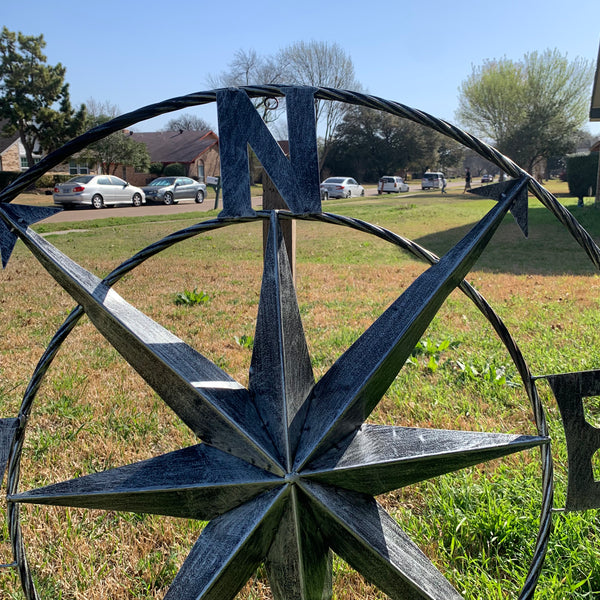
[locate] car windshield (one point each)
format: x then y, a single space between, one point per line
387 179
334 180
81 179
162 181
429 176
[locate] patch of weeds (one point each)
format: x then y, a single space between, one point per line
189 298
245 341
499 375
432 352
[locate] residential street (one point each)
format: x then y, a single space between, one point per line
89 214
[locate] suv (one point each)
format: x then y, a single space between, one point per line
432 179
391 185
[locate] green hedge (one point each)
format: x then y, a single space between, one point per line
174 170
582 173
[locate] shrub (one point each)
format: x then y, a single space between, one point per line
582 171
156 168
174 169
49 180
7 177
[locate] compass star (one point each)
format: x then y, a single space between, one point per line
288 470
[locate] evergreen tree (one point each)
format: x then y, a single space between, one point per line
34 98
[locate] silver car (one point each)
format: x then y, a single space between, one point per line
341 187
97 191
171 190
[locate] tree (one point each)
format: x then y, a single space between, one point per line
301 63
582 170
249 68
34 99
370 143
529 109
187 122
118 148
325 65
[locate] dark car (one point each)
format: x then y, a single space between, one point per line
486 178
170 190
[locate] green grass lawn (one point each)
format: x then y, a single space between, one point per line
478 525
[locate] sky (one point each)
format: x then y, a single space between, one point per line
132 53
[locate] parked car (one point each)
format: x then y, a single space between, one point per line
342 187
171 190
97 191
432 179
391 185
486 178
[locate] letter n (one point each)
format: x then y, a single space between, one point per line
296 178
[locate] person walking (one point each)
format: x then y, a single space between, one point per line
444 184
467 180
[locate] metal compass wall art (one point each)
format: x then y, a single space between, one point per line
286 471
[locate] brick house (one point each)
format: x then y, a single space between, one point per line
12 152
197 151
9 153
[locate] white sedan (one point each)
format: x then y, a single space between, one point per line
97 191
341 187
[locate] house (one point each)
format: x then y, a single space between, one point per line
9 153
12 152
197 151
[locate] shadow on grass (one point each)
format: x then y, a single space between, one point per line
550 249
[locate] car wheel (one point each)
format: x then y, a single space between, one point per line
168 198
348 194
136 200
97 201
199 197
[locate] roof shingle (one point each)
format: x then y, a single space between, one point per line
176 146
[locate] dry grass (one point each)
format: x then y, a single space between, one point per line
93 412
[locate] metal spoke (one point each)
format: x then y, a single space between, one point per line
366 537
351 389
199 482
8 428
281 375
229 550
288 469
302 569
208 400
381 458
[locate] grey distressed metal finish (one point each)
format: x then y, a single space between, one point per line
253 500
287 469
7 433
583 439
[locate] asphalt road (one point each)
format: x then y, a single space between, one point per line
89 214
